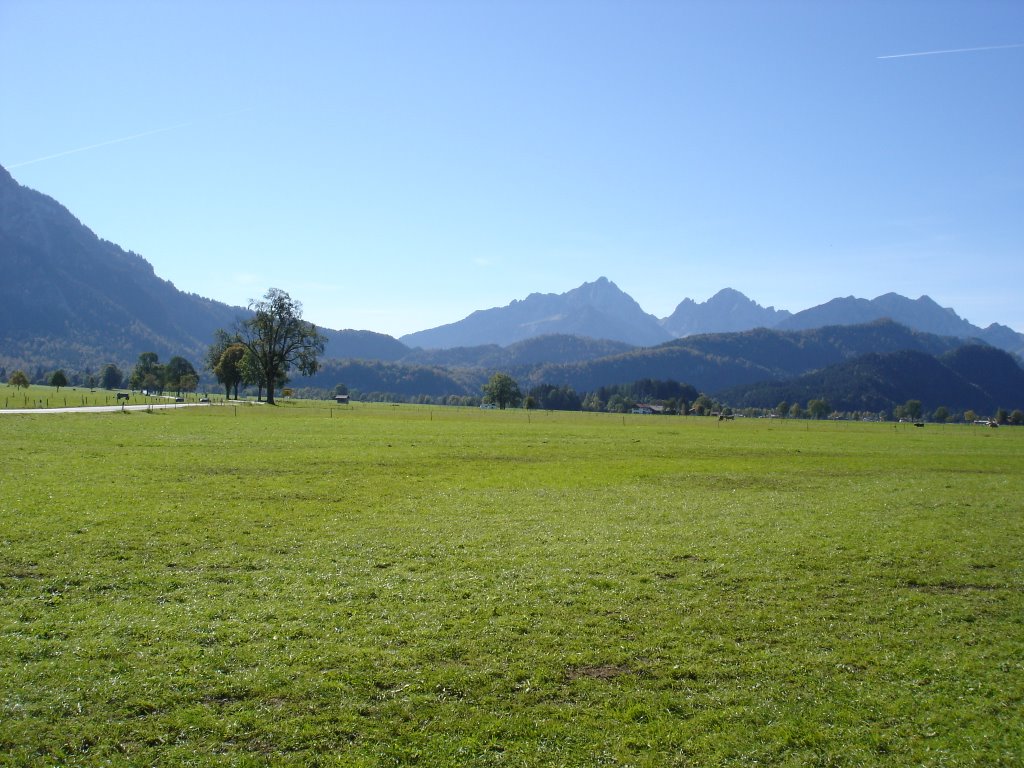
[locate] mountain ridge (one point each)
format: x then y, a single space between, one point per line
727 310
597 310
83 299
73 300
601 310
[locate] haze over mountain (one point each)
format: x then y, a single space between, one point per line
598 310
601 310
727 310
923 313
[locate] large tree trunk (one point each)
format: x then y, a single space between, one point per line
271 376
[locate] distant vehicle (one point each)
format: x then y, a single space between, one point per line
489 406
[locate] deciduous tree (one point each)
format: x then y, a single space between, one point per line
179 373
58 380
617 404
18 379
279 339
111 376
912 409
502 390
703 405
228 369
148 374
221 341
818 409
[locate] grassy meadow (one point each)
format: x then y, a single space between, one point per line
403 585
42 397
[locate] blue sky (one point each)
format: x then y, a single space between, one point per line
397 165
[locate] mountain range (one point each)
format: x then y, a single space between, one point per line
72 300
728 310
869 367
599 310
602 310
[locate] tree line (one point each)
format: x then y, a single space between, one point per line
668 396
177 375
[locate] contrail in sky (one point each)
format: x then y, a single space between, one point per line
101 144
951 50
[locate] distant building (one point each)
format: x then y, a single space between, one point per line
647 409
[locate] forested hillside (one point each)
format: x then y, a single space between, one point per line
973 377
716 362
72 299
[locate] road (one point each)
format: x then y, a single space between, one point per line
102 408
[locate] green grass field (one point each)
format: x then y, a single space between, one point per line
402 585
40 397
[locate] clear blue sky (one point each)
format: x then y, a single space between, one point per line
397 165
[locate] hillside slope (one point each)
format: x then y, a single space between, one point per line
72 299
